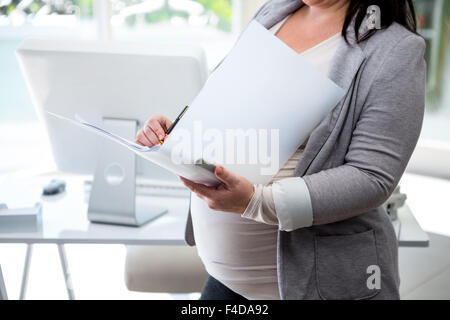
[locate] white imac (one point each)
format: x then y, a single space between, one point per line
118 86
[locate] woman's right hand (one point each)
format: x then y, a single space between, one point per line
153 131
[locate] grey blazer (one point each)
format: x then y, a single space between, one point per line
351 164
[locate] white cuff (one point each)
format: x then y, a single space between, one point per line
292 204
255 202
261 207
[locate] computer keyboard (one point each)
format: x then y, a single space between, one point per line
155 188
161 188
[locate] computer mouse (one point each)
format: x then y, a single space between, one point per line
54 187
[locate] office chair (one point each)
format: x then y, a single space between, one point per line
164 269
3 295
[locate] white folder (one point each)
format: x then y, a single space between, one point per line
261 85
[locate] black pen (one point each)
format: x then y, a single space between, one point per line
174 123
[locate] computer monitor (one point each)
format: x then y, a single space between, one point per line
118 86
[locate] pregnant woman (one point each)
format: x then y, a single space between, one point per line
319 230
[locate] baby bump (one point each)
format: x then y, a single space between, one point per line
229 238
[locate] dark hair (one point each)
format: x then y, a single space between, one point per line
400 11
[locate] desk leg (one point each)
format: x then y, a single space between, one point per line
3 295
65 268
26 271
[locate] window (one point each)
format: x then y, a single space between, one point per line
433 153
21 19
433 21
210 23
194 13
214 24
39 12
22 138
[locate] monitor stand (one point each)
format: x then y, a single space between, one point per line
113 195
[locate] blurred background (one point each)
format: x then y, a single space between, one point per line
214 24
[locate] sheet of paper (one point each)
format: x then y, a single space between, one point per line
78 121
158 155
262 86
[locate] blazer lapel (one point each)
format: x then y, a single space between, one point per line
343 71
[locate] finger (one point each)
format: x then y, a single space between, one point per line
143 140
189 184
139 142
163 121
166 123
151 135
157 128
199 189
226 176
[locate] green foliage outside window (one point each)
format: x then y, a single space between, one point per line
222 9
81 7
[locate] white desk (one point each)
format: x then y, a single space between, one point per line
65 221
65 217
409 231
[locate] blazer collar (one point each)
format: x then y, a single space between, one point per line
276 10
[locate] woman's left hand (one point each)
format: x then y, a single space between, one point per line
233 195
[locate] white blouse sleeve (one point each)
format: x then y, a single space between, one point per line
286 203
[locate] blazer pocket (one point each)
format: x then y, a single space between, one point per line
342 264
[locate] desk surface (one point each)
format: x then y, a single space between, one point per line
410 233
65 217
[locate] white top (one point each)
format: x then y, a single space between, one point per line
321 55
240 252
